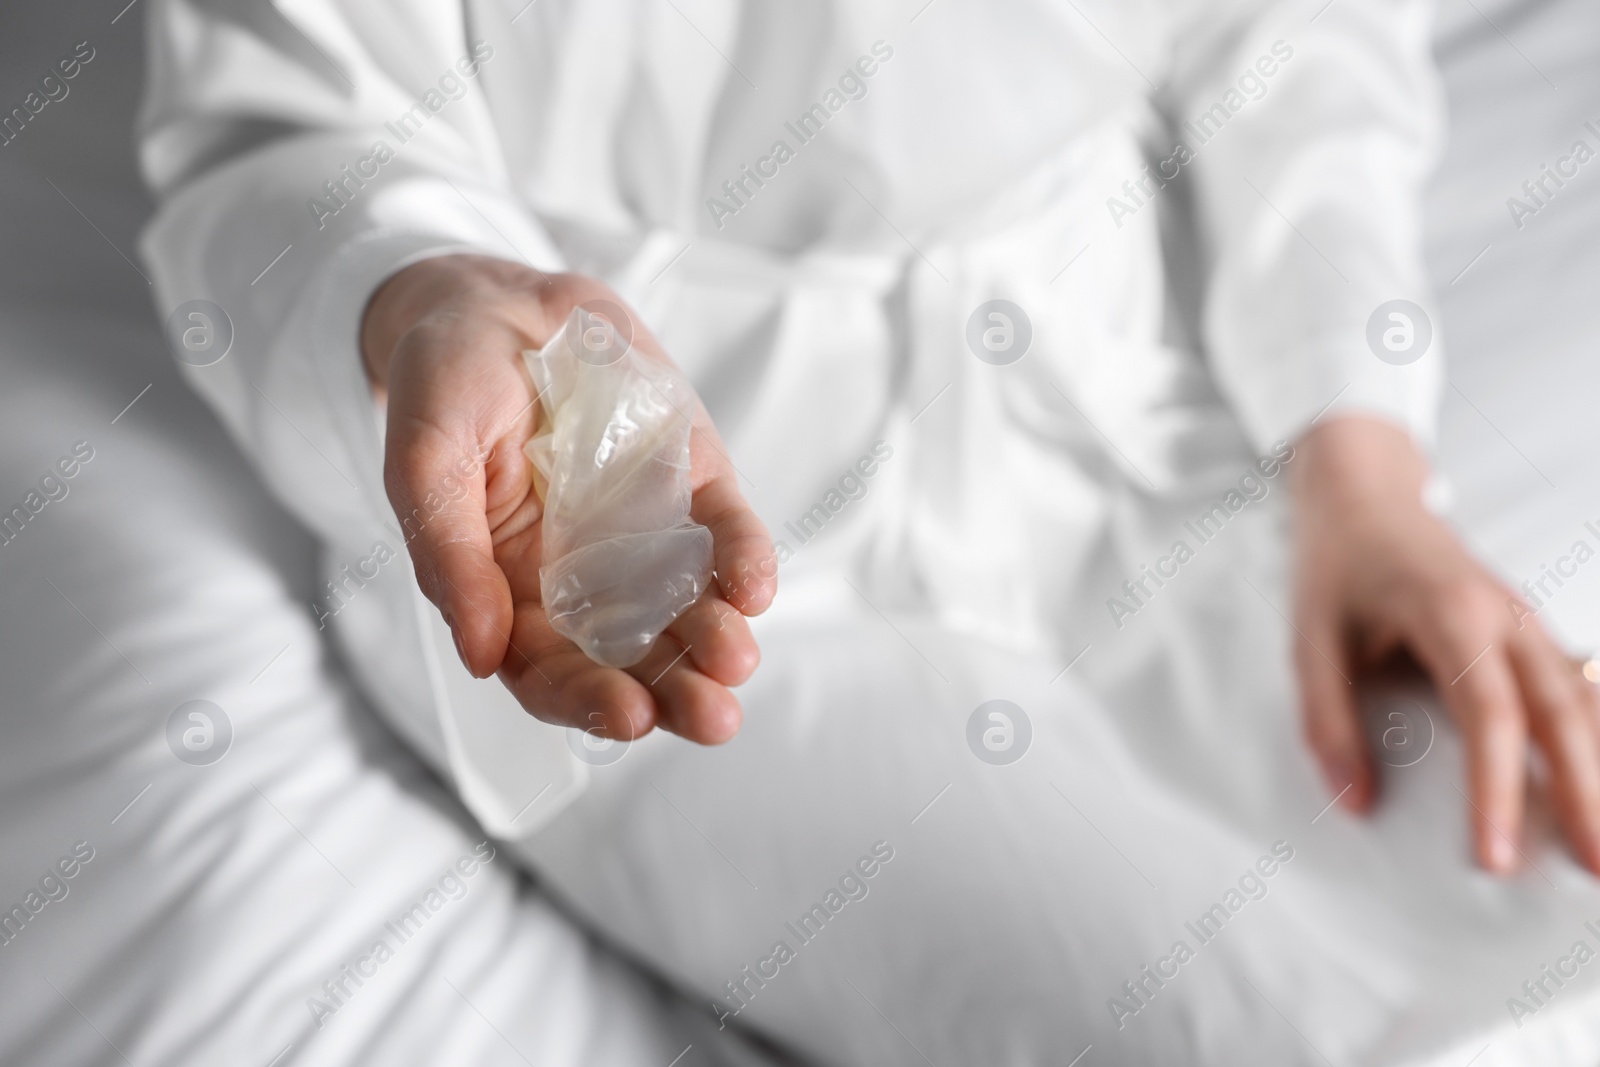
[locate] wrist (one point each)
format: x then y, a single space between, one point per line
444 285
1354 460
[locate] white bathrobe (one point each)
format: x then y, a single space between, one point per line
306 150
809 205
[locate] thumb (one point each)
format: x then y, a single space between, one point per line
1331 715
436 483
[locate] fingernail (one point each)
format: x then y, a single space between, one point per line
1346 774
1339 777
1502 856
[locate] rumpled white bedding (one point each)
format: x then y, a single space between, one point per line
1018 899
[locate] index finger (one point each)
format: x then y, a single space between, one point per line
436 484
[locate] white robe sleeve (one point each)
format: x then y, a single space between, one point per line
302 154
1307 180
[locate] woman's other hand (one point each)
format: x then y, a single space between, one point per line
1378 574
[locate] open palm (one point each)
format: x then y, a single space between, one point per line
442 340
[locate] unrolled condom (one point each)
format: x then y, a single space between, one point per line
622 559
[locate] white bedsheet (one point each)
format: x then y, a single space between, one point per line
1519 434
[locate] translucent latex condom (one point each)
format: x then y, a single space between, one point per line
622 559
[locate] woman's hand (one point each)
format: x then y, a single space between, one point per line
1378 574
442 341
